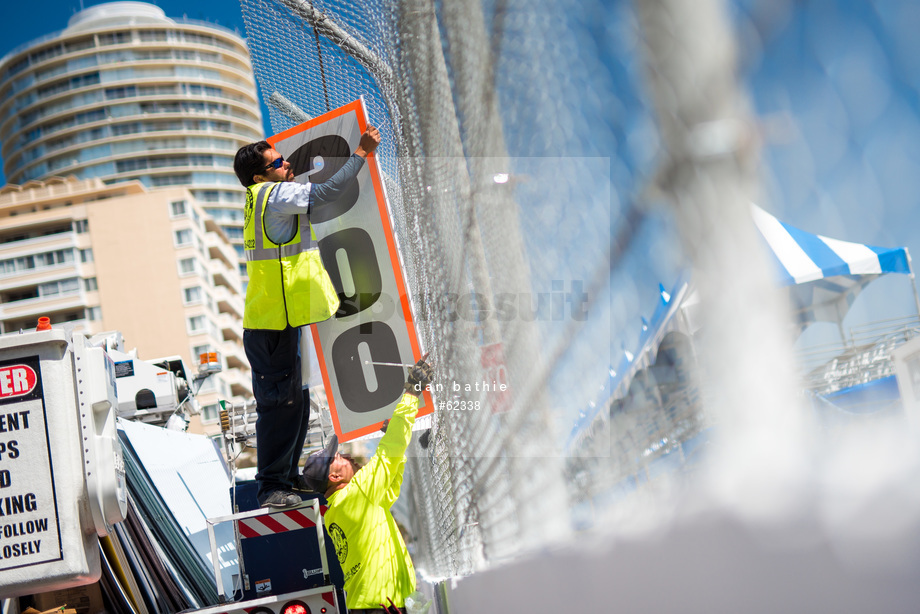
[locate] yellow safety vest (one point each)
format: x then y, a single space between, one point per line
368 544
288 284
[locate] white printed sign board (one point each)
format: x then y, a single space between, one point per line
29 530
374 323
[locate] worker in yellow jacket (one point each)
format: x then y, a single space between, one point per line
370 549
288 288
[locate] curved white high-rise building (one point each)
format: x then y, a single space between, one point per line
124 93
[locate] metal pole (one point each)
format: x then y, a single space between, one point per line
295 113
709 175
389 364
913 282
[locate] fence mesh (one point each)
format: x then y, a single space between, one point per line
549 163
455 184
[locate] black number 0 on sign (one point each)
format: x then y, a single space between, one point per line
374 322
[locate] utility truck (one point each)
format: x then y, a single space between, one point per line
63 484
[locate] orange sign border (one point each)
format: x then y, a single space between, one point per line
358 108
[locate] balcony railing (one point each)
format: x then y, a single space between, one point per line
240 382
231 327
234 355
63 239
219 248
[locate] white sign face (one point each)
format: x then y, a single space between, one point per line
374 321
29 531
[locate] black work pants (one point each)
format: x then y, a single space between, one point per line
282 405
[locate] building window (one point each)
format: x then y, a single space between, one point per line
86 255
114 93
80 226
62 286
36 261
114 38
178 208
233 233
93 314
187 266
210 413
90 284
159 181
197 324
192 295
152 35
183 237
59 256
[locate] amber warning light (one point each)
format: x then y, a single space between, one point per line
208 362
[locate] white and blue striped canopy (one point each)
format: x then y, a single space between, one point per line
824 275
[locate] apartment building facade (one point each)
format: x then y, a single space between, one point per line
148 263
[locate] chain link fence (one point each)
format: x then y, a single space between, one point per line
501 287
550 163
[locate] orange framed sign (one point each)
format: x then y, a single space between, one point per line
374 323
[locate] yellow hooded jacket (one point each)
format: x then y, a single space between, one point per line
367 541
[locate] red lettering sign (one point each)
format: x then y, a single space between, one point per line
16 380
492 360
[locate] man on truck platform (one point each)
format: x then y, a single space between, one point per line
288 288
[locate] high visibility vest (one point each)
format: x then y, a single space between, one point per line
288 284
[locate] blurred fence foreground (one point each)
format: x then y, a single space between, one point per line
548 163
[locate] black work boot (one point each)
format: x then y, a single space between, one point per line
281 498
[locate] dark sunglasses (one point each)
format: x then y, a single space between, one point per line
276 163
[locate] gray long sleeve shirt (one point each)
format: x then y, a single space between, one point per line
290 199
